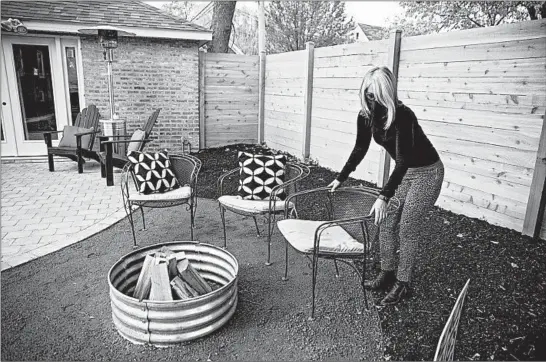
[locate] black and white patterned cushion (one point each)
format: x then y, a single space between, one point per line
153 172
259 174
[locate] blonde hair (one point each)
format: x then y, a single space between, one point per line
380 81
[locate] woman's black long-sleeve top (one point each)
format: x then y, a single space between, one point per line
405 142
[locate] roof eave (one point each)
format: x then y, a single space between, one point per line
67 27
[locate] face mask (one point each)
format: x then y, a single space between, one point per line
377 110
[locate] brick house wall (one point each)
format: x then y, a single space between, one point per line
148 74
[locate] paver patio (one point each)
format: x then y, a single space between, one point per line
45 211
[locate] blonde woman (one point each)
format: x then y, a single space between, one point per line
416 179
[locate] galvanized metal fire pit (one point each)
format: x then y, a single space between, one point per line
166 323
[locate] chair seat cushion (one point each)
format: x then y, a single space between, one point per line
181 193
301 235
250 206
69 138
153 172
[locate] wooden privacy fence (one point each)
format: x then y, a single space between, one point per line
228 98
479 94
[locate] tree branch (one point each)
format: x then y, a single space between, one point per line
475 22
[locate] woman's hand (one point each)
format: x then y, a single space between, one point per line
379 208
334 185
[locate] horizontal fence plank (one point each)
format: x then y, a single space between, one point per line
495 186
527 124
285 83
504 99
230 141
295 72
284 91
489 85
520 68
504 33
471 210
485 200
347 104
500 137
342 72
231 73
361 59
343 50
484 151
492 169
454 106
231 82
281 146
519 49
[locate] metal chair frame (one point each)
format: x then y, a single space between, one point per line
127 175
270 214
346 258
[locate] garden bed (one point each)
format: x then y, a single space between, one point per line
505 309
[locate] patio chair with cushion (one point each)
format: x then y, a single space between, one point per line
158 180
244 191
77 141
332 225
110 157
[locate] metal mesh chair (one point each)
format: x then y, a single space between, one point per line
186 169
227 190
332 225
446 344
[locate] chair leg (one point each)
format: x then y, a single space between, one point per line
109 166
50 161
223 216
257 228
192 217
131 221
143 220
364 277
269 231
315 268
102 169
285 278
337 269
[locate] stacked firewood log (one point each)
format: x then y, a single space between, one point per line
166 275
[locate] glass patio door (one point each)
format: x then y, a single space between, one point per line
37 91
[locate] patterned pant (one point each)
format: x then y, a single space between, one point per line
417 193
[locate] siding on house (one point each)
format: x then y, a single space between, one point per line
148 74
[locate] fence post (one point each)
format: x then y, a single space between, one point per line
534 213
261 99
201 65
308 98
261 94
393 63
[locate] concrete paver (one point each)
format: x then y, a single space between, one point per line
44 211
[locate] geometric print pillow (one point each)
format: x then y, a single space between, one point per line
259 174
153 172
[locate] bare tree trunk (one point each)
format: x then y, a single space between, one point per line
221 26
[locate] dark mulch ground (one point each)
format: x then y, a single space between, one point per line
504 316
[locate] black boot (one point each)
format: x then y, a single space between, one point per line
383 280
398 291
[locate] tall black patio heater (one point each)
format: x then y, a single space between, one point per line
108 38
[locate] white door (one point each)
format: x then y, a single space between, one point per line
8 145
37 92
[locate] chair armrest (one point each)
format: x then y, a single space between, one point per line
126 141
85 133
220 182
50 132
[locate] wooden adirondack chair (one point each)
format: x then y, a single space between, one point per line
110 159
87 118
